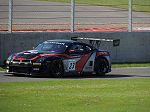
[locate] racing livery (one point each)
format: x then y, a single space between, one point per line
56 57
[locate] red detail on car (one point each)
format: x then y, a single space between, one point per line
21 58
55 54
16 55
80 64
102 53
34 58
50 55
42 55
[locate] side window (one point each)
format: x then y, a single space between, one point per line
76 49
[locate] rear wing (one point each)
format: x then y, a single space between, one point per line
116 42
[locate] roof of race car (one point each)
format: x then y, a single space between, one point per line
68 42
63 41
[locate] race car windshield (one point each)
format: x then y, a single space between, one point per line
52 46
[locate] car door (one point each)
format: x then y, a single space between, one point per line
78 58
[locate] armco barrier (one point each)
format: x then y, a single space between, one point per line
134 46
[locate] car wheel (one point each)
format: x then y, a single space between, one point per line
57 69
101 66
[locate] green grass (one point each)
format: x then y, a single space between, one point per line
140 5
1 69
131 65
105 95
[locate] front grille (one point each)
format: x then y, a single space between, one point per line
16 60
21 61
21 66
24 63
21 69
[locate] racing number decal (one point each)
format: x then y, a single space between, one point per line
71 66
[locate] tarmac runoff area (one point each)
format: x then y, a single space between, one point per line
117 73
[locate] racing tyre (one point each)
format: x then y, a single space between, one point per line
57 68
101 66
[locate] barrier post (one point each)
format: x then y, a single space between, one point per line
10 15
130 16
72 14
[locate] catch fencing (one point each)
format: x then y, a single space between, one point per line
31 15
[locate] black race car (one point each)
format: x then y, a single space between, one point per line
56 57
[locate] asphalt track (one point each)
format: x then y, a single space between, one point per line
36 12
117 73
44 16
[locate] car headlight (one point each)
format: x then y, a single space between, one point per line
9 58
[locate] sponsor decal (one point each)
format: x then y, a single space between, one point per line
36 68
60 43
36 63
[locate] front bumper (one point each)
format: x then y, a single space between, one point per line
27 68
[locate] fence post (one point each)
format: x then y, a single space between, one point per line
10 15
130 16
72 14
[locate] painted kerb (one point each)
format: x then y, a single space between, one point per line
134 46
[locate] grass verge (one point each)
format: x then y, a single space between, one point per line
115 95
138 5
1 69
131 65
